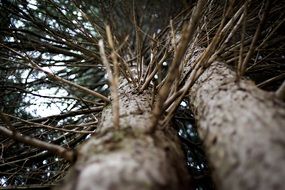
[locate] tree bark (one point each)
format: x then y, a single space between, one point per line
243 130
128 158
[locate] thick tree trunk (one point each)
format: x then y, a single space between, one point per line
243 129
128 158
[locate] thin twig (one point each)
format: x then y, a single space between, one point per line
115 80
253 44
114 92
203 62
187 35
39 125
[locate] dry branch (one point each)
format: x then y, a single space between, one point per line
58 150
186 37
39 125
113 78
256 36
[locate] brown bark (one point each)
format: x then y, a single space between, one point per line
243 130
128 158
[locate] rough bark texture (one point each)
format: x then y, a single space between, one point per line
243 130
128 158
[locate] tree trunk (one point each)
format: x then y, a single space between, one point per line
128 158
241 126
243 130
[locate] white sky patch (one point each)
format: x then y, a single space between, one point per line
47 69
74 51
19 24
54 23
71 77
25 74
48 36
88 136
183 103
93 33
32 77
87 25
3 181
105 87
44 107
10 39
151 56
77 30
58 57
33 4
64 11
70 31
11 77
57 68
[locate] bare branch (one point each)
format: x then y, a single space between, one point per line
113 81
255 37
68 155
187 35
